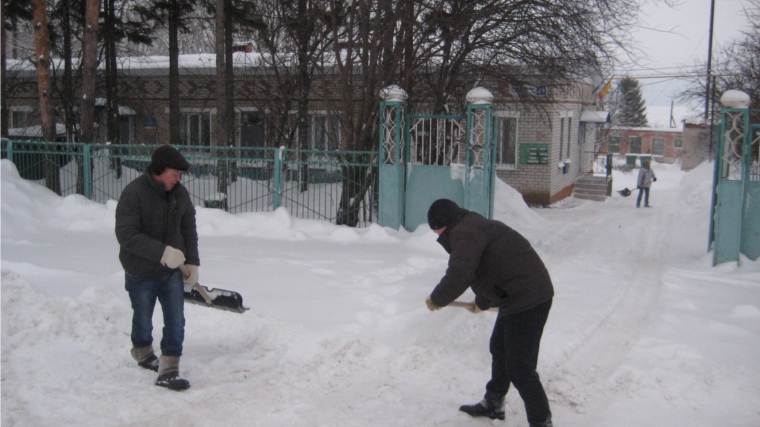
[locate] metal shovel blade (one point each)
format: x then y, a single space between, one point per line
220 299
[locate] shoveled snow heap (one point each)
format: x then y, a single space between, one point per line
643 330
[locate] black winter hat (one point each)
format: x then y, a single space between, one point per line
167 156
443 213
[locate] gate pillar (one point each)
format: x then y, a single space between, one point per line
480 168
734 221
391 162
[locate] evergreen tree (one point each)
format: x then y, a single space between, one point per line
631 110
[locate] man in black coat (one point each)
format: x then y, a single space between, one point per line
155 227
503 271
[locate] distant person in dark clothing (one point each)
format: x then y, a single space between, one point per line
155 227
504 271
644 181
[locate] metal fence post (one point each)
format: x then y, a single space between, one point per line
278 152
86 150
9 149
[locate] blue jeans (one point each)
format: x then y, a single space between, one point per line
645 192
169 289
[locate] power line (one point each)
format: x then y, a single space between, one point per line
676 76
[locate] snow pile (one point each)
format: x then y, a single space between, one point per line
643 330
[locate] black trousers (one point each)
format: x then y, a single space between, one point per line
514 350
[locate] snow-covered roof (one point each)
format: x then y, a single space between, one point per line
647 129
595 116
35 131
155 65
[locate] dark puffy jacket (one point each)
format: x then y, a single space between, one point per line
494 260
148 218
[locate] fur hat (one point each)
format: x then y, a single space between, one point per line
443 213
167 156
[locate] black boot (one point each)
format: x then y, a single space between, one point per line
547 423
173 382
492 406
145 357
168 374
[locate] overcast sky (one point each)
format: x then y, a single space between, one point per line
678 38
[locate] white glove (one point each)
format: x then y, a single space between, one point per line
172 258
190 274
473 308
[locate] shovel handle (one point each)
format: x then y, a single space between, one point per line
201 290
469 305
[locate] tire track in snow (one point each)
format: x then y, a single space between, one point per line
583 374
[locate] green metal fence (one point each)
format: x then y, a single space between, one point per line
338 186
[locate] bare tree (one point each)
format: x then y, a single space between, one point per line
172 15
89 78
44 90
736 65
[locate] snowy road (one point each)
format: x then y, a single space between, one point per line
643 331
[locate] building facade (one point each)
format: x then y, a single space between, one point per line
542 147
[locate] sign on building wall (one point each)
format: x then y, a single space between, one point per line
149 123
534 154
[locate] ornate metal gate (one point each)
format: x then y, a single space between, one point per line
427 157
735 221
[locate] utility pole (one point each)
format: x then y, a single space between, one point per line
709 61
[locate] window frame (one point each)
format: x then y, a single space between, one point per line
631 142
613 141
186 124
513 119
661 142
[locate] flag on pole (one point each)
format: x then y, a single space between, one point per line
606 88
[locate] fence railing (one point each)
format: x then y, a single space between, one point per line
338 186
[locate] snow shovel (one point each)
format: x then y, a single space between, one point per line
220 299
625 192
469 305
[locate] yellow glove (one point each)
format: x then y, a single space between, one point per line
190 274
172 258
430 305
473 308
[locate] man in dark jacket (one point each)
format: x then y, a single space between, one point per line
503 271
155 227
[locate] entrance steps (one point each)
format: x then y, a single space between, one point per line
591 188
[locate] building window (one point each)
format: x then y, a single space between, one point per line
506 141
634 143
678 143
321 137
658 146
195 129
252 129
18 119
561 137
569 134
614 145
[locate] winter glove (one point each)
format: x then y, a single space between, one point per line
473 308
430 305
190 274
654 178
172 258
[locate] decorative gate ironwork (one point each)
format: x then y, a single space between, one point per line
427 157
735 220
